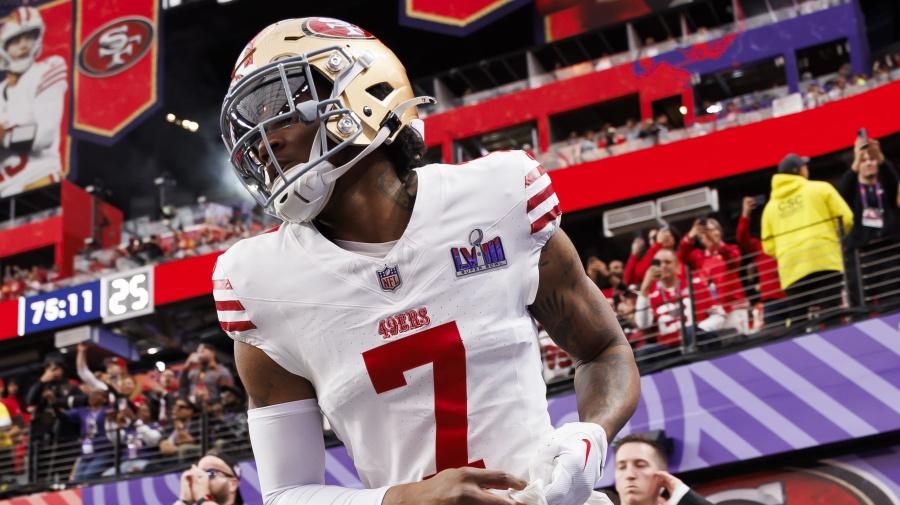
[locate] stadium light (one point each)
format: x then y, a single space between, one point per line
153 350
160 366
170 117
683 110
714 109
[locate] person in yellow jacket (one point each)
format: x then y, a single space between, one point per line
800 230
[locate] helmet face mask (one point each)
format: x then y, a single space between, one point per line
266 101
274 86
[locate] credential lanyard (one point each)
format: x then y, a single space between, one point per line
862 192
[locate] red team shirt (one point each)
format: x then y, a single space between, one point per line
664 304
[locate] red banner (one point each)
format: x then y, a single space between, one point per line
117 59
456 18
36 60
565 18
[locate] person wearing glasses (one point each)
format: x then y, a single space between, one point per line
214 480
183 440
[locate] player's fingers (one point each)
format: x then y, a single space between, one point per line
481 496
495 479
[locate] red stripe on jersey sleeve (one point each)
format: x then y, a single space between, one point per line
48 85
221 284
54 69
545 219
237 325
534 175
539 198
230 305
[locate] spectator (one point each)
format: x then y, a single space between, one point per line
163 394
201 368
131 391
631 129
214 480
151 250
641 475
870 188
838 89
719 265
12 401
770 293
229 422
625 316
665 300
800 230
96 449
637 266
600 273
50 396
662 125
814 96
140 436
183 440
115 370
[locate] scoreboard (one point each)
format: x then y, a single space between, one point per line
115 297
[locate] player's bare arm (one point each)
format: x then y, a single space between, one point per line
578 318
266 382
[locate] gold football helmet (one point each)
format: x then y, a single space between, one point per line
371 100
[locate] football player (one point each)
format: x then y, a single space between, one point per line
396 299
32 98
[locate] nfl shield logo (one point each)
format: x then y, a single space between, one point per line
389 278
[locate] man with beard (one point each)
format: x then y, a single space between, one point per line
203 372
214 480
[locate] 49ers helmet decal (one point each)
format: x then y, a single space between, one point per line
273 87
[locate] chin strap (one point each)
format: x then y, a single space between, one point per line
389 126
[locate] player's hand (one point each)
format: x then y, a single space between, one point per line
578 465
465 486
668 481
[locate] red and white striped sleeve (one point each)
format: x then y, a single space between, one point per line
233 316
542 203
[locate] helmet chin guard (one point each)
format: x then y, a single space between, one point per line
370 101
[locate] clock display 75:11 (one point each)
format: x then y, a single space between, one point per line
52 309
62 307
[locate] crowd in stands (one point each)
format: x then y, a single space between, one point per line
612 140
159 420
93 262
793 276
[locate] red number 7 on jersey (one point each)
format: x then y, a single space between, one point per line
443 346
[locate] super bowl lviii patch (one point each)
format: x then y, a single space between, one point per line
482 256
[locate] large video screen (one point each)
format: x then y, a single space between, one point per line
565 18
35 65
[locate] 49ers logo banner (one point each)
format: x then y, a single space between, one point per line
459 17
116 83
35 64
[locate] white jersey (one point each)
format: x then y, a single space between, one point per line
427 359
32 109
